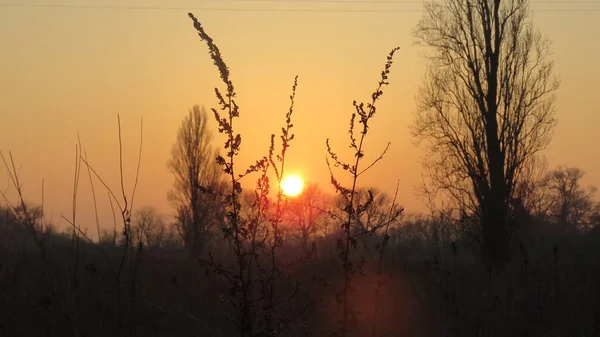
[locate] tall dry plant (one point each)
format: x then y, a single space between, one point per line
28 217
68 295
256 238
352 208
275 324
124 310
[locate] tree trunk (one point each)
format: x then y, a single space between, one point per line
496 252
305 240
496 245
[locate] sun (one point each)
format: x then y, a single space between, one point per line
292 186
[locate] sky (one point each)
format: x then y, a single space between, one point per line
67 71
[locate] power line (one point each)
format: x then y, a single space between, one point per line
231 9
396 2
218 9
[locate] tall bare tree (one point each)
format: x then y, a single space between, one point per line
193 164
486 108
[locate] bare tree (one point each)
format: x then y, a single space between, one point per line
148 227
193 163
572 204
306 212
377 212
558 197
413 235
486 108
532 190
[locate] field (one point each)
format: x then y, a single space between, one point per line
167 294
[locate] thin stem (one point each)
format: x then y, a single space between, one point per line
94 199
137 171
121 162
393 214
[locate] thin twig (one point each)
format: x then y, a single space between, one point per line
112 208
94 198
378 159
87 238
43 217
121 162
137 172
110 192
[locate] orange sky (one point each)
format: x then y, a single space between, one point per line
65 71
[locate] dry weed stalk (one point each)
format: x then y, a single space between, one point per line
125 206
351 209
253 280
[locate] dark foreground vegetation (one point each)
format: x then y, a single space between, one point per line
508 247
550 289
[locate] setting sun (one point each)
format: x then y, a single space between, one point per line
292 186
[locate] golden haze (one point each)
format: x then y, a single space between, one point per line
70 71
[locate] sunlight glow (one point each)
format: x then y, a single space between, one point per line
292 186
